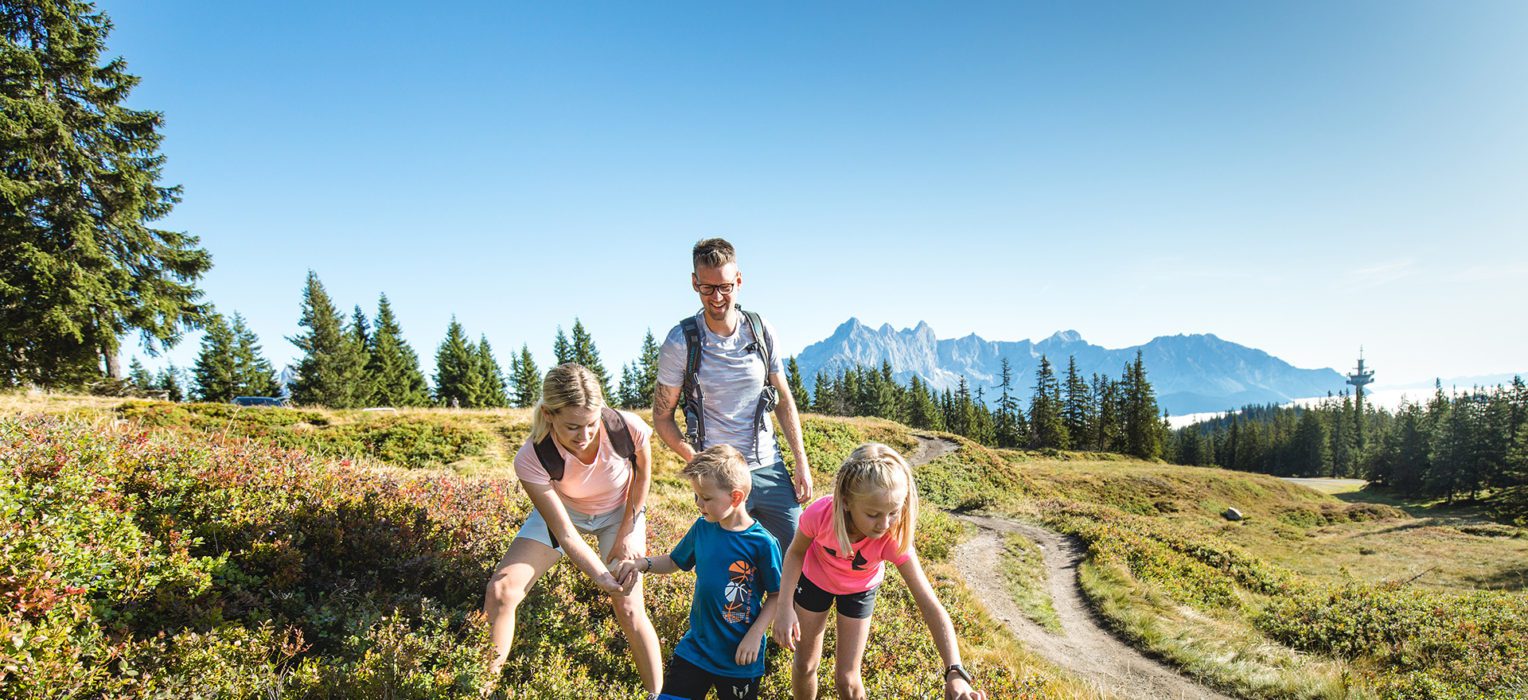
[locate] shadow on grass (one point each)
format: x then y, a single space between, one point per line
1440 511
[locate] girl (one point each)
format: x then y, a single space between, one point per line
586 469
836 558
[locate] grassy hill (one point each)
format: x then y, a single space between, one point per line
162 549
159 550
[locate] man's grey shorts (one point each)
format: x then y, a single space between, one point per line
773 503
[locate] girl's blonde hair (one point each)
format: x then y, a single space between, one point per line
871 468
567 385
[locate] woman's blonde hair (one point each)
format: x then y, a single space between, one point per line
871 468
567 385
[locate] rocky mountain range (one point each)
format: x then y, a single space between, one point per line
1191 373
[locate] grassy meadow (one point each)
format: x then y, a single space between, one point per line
151 549
1311 596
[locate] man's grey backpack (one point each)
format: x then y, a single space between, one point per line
694 418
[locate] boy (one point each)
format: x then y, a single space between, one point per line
739 562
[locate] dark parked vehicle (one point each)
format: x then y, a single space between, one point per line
261 401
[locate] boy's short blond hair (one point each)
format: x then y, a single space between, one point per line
724 466
713 253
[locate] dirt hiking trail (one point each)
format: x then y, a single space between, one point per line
1084 647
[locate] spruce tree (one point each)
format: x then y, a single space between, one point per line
822 395
332 370
172 383
252 372
491 389
626 393
1007 431
793 381
562 350
80 264
647 369
586 354
393 365
1077 410
139 377
456 379
1045 425
361 341
215 372
1142 419
524 379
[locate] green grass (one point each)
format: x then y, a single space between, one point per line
1214 597
182 552
1023 568
1313 595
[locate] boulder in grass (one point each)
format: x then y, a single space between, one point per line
1232 514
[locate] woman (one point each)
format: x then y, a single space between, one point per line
586 469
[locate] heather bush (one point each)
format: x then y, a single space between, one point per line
139 562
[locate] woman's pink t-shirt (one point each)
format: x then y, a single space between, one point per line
591 489
837 574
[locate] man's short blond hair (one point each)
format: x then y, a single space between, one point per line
724 466
713 252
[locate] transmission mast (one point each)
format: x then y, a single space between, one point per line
1359 379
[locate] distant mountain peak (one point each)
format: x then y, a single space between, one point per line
1191 373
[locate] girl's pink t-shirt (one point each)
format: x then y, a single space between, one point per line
837 574
594 488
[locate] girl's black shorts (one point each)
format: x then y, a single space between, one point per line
856 605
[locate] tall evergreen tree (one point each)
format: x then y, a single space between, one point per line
492 392
172 382
1077 406
822 395
332 370
1312 454
586 354
1009 419
138 376
80 264
1045 425
647 372
252 372
562 350
525 379
456 376
360 340
922 412
793 380
393 365
214 371
1142 419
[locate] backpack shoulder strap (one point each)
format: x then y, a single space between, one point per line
762 341
692 349
620 435
551 459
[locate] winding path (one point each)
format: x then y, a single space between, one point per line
1084 647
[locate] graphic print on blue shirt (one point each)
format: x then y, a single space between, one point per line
734 571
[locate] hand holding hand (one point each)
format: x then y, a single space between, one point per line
626 572
607 582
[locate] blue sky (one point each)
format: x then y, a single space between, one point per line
1301 177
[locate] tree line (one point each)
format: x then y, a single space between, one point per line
1453 445
361 362
1073 411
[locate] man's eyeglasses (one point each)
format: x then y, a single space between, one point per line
709 289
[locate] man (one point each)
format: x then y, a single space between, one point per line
714 366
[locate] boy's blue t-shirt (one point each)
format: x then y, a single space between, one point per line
736 570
